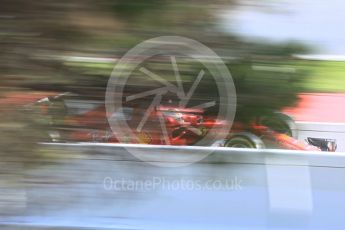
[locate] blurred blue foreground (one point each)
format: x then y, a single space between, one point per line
104 187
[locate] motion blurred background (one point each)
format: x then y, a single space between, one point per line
275 50
50 47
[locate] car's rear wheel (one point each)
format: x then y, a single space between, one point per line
244 140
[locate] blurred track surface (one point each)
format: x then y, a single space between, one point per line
249 189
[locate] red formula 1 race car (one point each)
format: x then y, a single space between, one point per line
79 120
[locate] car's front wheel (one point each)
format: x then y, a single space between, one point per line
281 123
244 140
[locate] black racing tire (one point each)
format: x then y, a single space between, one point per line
281 123
244 140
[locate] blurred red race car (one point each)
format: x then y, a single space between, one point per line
76 119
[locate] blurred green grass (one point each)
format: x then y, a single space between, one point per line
323 76
320 76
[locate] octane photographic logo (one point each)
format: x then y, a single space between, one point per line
172 48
